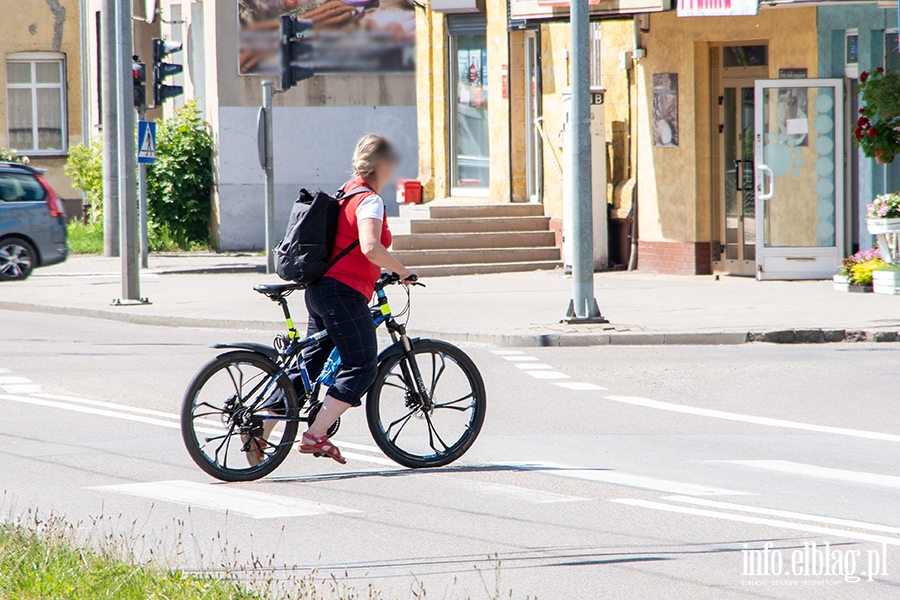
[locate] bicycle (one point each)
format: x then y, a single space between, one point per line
243 408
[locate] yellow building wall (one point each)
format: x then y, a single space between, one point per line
431 103
32 26
498 106
674 184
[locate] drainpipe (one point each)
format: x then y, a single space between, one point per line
637 54
85 83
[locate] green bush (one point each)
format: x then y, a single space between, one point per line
85 167
180 181
10 155
86 239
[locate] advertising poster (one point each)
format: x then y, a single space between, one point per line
475 70
665 110
348 36
462 68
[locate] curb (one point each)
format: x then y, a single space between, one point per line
503 340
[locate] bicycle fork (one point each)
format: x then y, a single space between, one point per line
410 368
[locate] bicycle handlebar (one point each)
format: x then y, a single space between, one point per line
392 278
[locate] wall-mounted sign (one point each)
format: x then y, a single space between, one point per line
665 110
792 73
717 8
535 9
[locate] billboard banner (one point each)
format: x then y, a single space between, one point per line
552 9
348 36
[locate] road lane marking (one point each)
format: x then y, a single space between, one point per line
772 512
111 405
102 412
686 510
578 385
222 498
506 352
729 416
547 374
363 447
12 379
532 366
626 480
376 460
2 370
816 472
22 388
513 492
521 358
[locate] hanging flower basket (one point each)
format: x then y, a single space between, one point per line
877 130
883 215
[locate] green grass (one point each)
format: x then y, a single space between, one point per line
51 566
85 239
88 239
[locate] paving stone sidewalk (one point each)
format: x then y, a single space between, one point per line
507 309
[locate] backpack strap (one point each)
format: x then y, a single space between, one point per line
340 195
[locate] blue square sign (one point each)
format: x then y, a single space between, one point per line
146 142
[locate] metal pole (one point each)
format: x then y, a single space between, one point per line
268 92
131 285
583 307
109 87
142 199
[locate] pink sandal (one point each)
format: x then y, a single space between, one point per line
320 447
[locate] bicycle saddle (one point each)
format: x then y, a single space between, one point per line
275 290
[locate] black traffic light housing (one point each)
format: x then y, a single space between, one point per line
139 76
161 70
294 47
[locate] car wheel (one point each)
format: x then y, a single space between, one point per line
17 259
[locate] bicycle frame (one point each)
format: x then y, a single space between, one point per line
290 356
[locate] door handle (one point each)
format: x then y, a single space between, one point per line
768 195
737 175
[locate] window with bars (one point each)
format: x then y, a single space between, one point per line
36 103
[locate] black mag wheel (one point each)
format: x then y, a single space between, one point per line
223 433
408 433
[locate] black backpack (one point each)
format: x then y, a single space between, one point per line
302 255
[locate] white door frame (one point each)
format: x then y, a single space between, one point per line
811 262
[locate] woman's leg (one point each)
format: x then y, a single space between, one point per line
345 314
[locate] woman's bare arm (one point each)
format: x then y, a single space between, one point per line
371 246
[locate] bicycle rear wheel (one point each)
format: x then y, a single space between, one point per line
408 433
224 434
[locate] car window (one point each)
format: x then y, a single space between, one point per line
20 187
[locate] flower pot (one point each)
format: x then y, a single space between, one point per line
886 282
842 284
877 226
879 158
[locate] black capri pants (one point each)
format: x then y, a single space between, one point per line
345 313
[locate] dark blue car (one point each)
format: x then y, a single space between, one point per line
32 222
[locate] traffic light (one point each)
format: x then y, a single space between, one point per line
139 74
294 47
161 70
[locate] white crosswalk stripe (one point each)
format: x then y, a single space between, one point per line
816 472
222 498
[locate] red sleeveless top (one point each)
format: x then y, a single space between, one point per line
355 269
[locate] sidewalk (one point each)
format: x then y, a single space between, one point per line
507 309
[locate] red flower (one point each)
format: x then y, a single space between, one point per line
879 70
872 132
863 122
862 111
857 133
863 76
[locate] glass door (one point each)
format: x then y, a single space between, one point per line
470 160
737 190
799 178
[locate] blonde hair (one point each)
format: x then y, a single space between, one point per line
371 151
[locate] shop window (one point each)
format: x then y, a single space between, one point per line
851 53
36 102
469 104
745 56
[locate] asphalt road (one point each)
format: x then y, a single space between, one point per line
609 472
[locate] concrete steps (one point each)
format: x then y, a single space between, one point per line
443 238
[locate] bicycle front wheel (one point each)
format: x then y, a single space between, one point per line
417 437
238 421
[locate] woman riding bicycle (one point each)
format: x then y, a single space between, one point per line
339 301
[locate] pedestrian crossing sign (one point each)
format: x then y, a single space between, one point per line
146 141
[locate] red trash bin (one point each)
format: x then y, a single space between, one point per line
409 191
